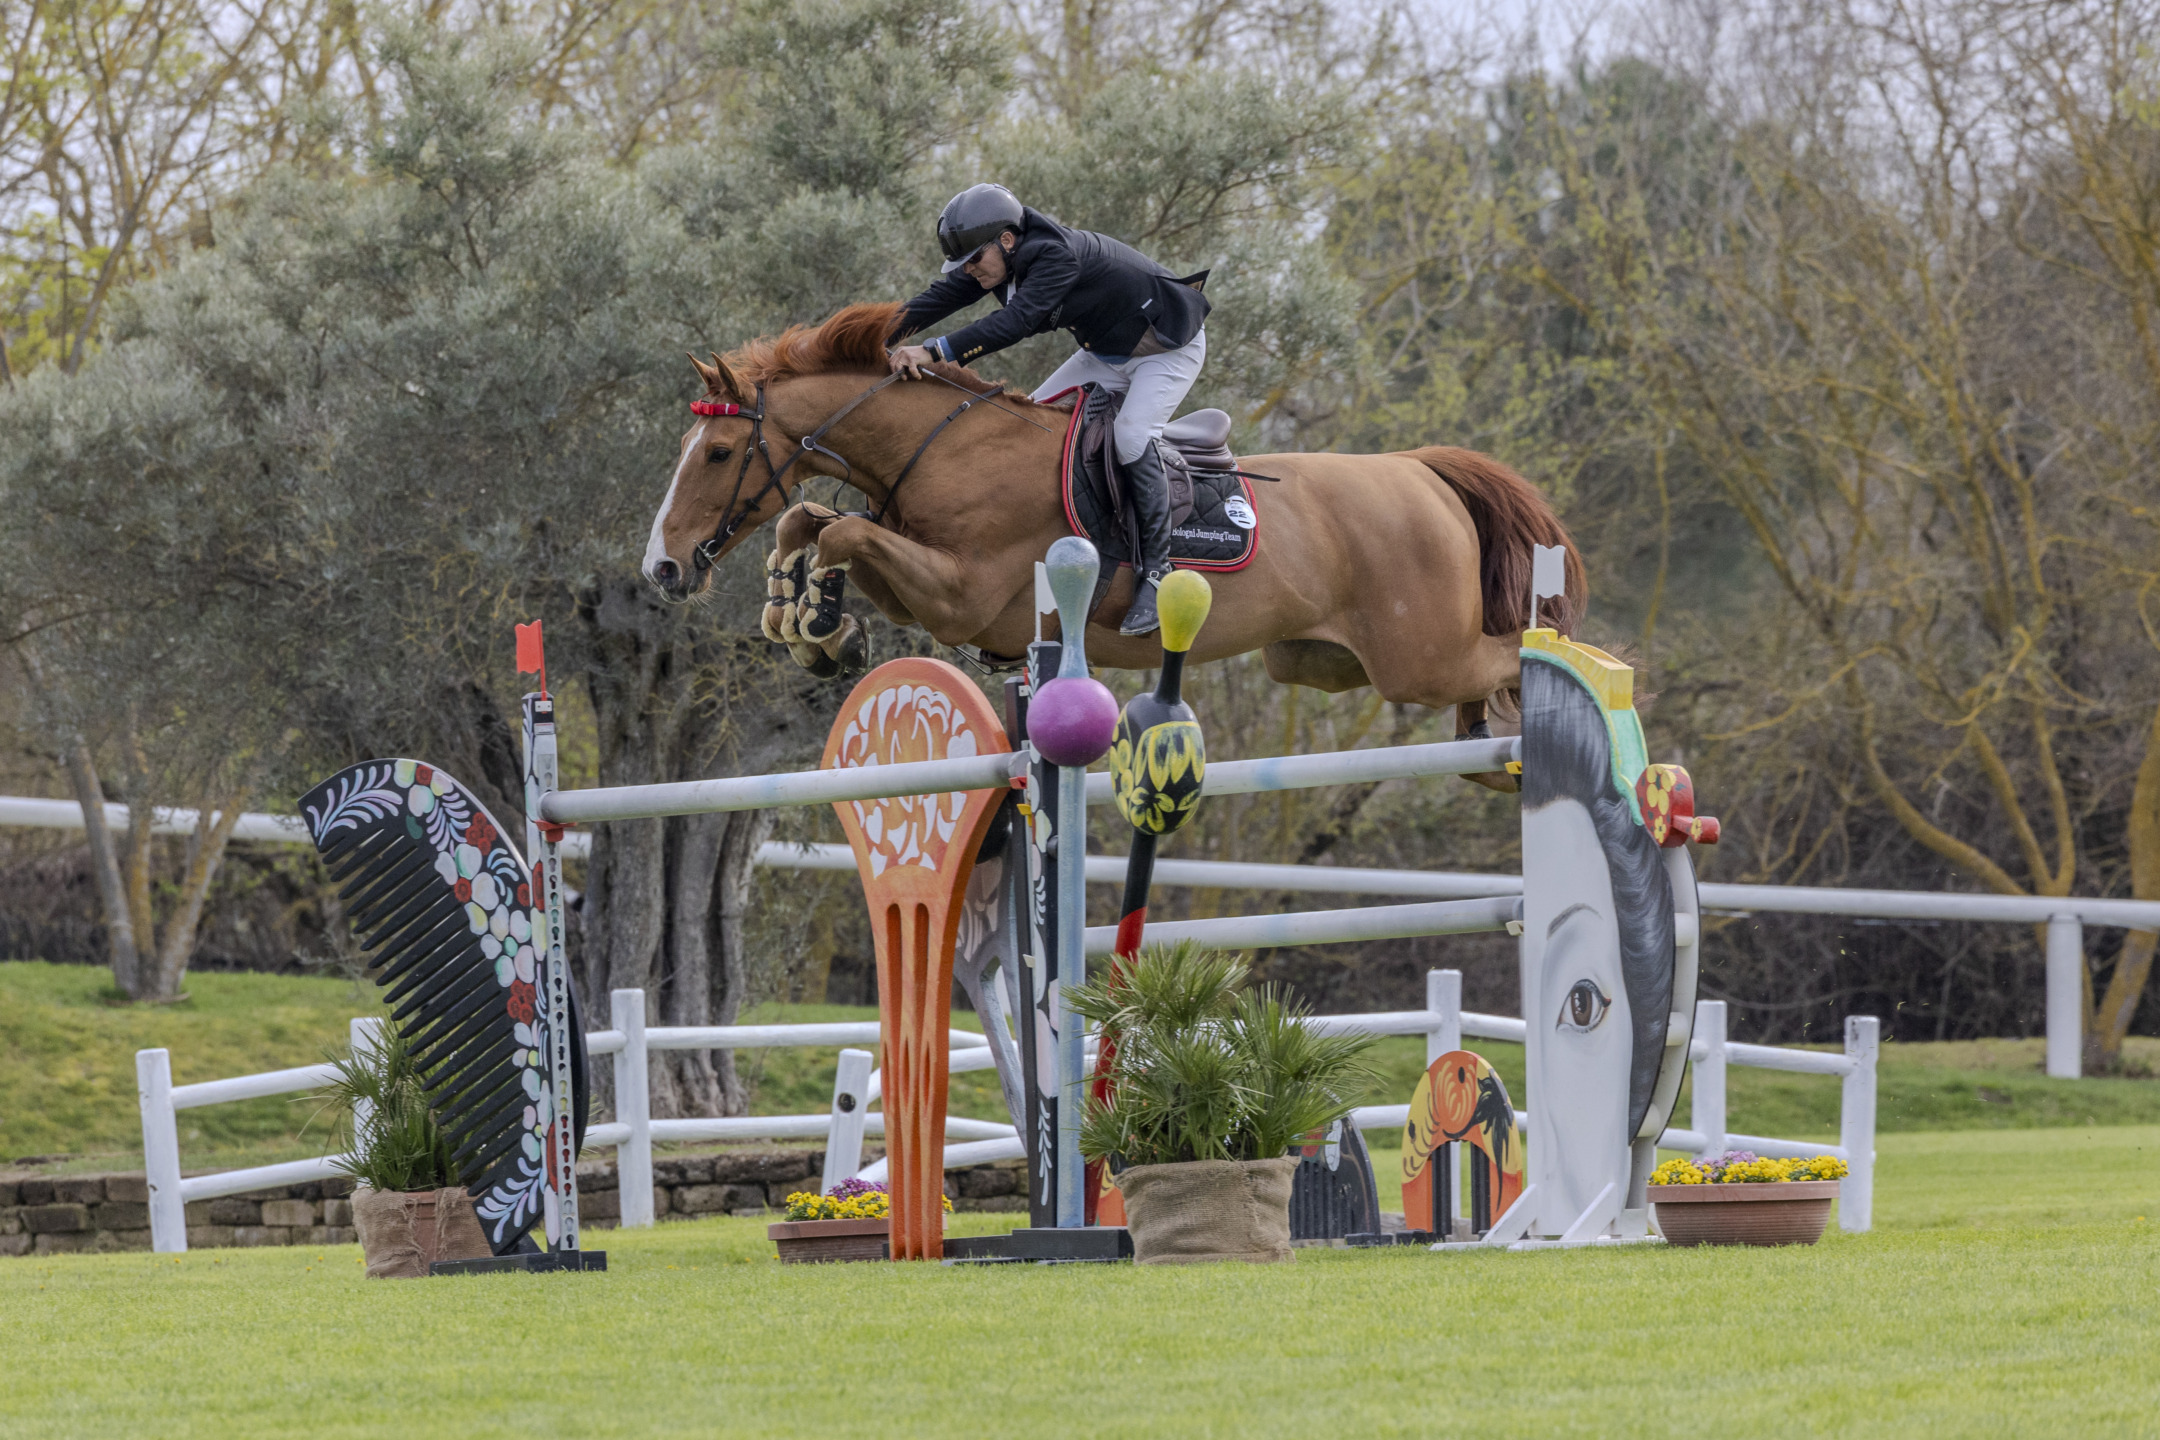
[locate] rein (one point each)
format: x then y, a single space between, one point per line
776 474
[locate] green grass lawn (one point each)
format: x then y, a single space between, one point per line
67 1061
2010 1288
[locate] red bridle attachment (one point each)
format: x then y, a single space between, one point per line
715 407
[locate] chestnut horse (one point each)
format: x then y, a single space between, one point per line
1408 572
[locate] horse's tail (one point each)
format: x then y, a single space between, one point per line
1511 517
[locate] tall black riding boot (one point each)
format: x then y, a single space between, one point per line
1148 490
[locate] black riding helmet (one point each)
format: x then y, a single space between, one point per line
974 218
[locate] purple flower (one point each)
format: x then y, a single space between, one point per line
851 1187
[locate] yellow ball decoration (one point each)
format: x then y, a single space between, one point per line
1182 600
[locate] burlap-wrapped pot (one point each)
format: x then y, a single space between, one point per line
1209 1210
404 1232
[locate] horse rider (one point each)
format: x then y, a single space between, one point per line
1139 329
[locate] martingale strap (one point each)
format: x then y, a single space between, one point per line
892 491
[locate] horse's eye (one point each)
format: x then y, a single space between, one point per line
717 454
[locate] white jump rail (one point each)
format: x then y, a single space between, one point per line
38 814
856 1086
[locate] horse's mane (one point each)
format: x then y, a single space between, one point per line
852 339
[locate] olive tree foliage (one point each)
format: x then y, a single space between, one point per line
457 387
1209 171
1071 50
140 528
394 410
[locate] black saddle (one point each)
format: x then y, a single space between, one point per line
1213 522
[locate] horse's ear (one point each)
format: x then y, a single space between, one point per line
723 381
706 373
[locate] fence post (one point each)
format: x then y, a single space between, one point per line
1443 996
1856 1124
2065 997
850 1106
1706 1107
633 1107
362 1034
161 1151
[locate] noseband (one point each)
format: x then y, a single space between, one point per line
734 516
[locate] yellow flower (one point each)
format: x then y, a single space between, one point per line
1678 1172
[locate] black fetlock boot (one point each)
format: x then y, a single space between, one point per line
1147 489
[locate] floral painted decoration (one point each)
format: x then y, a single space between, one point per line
410 818
1667 797
903 723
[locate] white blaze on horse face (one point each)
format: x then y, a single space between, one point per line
656 547
1581 1057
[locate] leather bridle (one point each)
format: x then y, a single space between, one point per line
733 516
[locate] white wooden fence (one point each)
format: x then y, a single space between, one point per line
2064 917
856 1086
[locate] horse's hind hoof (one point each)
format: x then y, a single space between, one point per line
816 661
1479 731
854 656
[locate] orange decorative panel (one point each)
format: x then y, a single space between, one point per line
914 854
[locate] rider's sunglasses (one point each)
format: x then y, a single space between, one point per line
971 257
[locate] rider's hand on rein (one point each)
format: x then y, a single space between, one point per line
908 360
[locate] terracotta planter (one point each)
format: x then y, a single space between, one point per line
1209 1210
1774 1212
403 1233
809 1242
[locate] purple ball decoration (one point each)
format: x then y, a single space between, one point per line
1072 720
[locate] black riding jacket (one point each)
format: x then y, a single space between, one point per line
1106 293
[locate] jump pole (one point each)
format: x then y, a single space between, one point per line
1071 568
1157 761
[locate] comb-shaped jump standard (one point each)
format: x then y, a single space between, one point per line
446 908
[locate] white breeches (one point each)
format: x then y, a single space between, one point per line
1153 386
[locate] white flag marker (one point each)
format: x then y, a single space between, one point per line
1044 604
1548 575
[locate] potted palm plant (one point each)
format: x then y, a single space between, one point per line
1211 1085
409 1204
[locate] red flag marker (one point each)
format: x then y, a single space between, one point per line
531 654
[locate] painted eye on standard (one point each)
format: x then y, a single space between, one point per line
1584 1006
